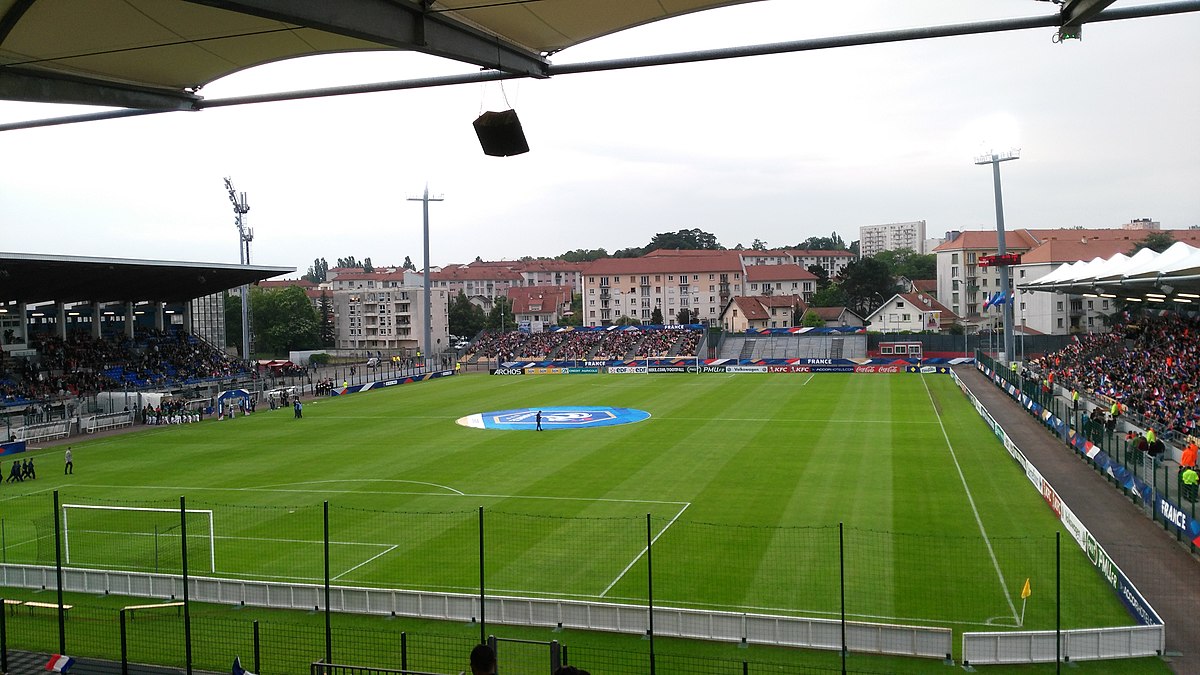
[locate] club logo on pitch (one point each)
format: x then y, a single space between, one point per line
563 417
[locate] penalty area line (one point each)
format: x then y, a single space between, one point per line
368 560
644 550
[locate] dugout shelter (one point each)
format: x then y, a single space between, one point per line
111 297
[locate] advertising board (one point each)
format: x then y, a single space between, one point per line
745 369
627 370
789 369
546 370
508 371
706 369
669 369
879 369
583 370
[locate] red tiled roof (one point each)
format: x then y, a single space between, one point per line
548 266
475 273
751 308
778 273
663 265
286 283
1014 240
545 298
918 300
359 275
926 286
829 313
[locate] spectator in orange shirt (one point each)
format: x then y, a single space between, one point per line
1189 455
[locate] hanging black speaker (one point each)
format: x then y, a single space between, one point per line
500 134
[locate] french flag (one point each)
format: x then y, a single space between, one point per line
60 664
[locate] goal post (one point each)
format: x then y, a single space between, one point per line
136 537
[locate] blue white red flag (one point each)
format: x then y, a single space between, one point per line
60 664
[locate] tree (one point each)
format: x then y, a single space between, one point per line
466 319
367 266
327 331
822 275
583 255
633 252
864 279
348 262
684 317
685 239
830 296
758 245
656 317
833 242
1155 241
408 264
626 321
812 319
905 262
576 316
501 317
283 319
317 272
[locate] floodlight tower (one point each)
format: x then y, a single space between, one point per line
994 158
245 235
425 198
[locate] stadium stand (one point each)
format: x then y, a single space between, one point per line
794 347
1147 363
586 345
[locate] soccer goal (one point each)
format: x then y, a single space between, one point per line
137 538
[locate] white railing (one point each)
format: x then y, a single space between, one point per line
1084 644
43 432
93 423
762 629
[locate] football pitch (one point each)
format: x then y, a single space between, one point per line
759 492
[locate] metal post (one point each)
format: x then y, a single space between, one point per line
842 582
257 667
3 639
124 647
403 650
482 595
1057 601
425 199
650 590
187 614
1001 245
328 629
62 624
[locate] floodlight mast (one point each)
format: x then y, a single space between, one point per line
425 198
995 158
245 235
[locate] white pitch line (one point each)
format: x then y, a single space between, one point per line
379 492
786 420
364 480
971 500
382 553
644 550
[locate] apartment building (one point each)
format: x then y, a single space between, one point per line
389 318
874 239
635 287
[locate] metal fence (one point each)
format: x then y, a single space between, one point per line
822 587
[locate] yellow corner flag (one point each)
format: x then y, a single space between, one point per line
1025 592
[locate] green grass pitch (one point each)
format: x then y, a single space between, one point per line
745 479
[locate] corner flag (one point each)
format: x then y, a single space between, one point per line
237 667
1025 592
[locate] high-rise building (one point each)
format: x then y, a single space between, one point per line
873 239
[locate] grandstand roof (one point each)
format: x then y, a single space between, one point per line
1172 275
33 278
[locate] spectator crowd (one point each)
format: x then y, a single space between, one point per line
586 345
1147 364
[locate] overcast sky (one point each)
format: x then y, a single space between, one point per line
778 148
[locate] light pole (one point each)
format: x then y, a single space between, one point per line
994 159
425 199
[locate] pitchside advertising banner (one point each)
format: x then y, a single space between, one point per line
1129 596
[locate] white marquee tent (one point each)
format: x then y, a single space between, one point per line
1147 276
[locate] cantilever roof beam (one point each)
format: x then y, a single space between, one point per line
1077 12
401 25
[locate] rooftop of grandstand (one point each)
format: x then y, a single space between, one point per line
33 278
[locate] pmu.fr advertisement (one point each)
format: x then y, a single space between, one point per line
706 369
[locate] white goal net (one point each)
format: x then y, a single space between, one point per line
137 538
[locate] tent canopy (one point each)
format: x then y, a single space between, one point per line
1170 276
156 54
